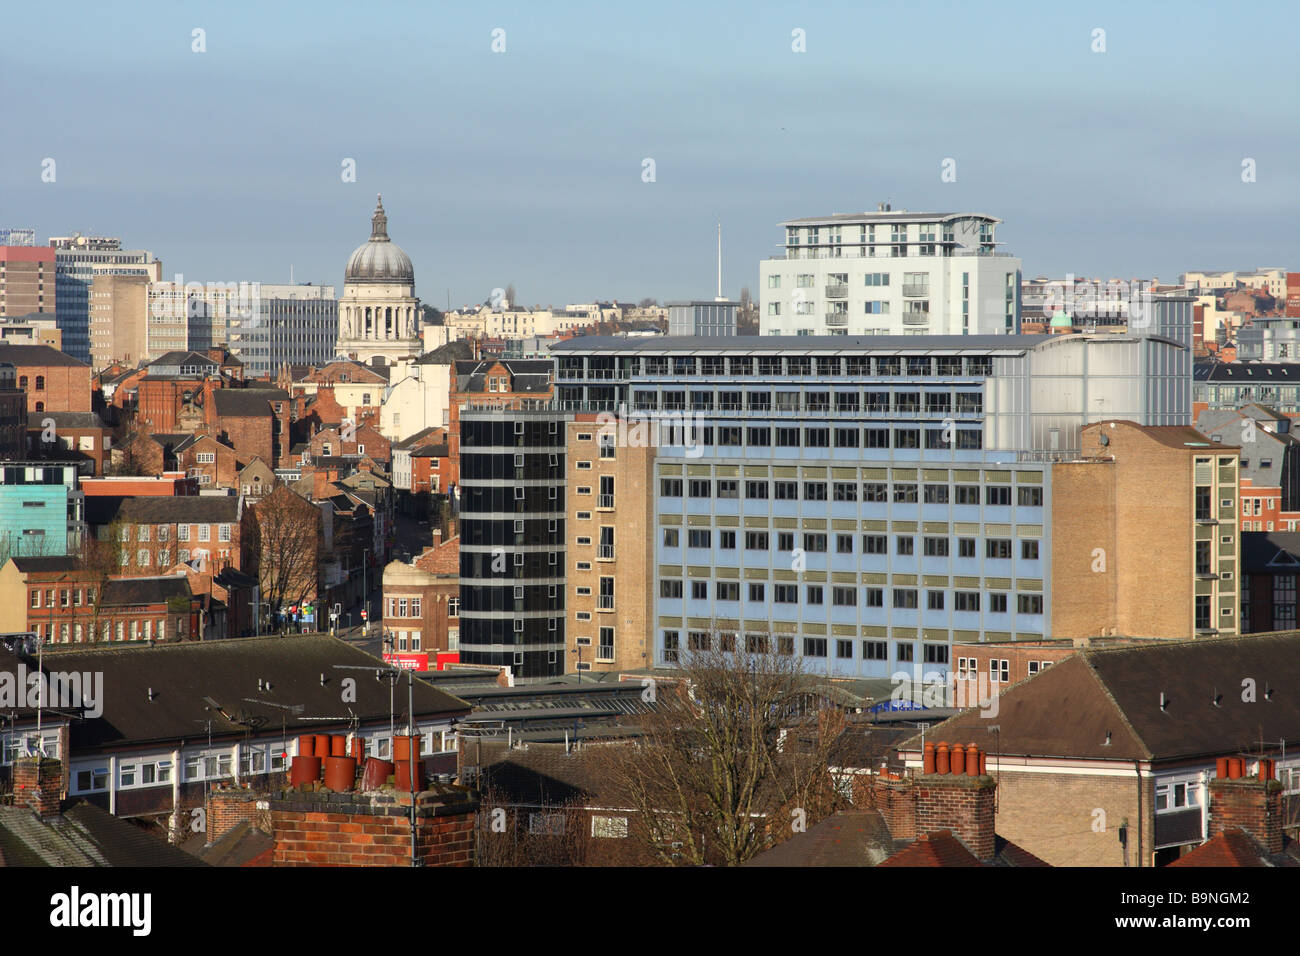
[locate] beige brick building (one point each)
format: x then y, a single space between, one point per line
609 547
119 319
1145 536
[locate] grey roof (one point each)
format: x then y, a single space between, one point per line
29 355
379 259
419 438
529 375
1266 552
852 838
1229 372
44 565
457 350
124 592
802 344
183 357
247 402
68 420
165 509
1105 704
182 675
896 216
83 835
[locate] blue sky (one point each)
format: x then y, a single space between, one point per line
525 166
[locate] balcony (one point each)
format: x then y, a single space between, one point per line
837 290
605 654
604 502
919 290
837 319
916 318
605 552
605 602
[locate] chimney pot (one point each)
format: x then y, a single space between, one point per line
1221 768
927 758
957 759
941 758
973 757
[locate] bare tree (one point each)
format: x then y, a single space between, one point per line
514 835
735 757
285 532
100 559
511 297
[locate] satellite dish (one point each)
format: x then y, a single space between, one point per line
1105 439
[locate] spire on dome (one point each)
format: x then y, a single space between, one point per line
379 222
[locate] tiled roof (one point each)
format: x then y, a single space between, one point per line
125 592
36 355
1151 701
183 675
855 838
247 402
83 835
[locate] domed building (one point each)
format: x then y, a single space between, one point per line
379 315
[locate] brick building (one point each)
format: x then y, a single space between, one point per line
64 604
74 436
609 525
1270 463
1111 575
421 608
211 462
1103 759
53 381
253 421
27 281
1270 568
347 442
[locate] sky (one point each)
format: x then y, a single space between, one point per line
527 166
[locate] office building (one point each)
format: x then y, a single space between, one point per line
77 260
714 319
284 325
867 501
890 273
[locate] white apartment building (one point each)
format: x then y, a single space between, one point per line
890 273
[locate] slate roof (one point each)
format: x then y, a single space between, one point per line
184 357
29 355
459 349
1264 552
183 675
247 402
163 509
837 344
854 838
123 592
45 565
1229 372
68 420
527 375
83 835
1105 704
240 845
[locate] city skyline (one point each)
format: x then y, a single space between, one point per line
1087 157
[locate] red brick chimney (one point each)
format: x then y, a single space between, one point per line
952 793
1253 804
38 785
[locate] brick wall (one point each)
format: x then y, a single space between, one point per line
38 784
958 803
1251 804
66 387
315 829
894 797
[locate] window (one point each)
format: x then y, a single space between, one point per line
1029 550
700 488
844 544
699 538
814 594
814 647
997 495
906 653
997 548
671 538
904 545
936 547
875 491
814 490
999 671
965 547
934 600
785 490
205 532
874 544
670 588
728 590
1029 603
609 827
905 598
844 597
936 494
670 487
997 604
756 541
814 543
727 540
875 651
1029 497
936 653
968 494
728 488
966 601
756 489
785 593
875 597
757 592
699 590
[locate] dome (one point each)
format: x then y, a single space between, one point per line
1062 321
380 259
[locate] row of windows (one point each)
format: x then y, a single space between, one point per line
816 542
905 652
737 436
871 491
952 366
137 630
815 595
846 402
162 532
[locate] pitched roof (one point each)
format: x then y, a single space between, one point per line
1106 704
35 355
68 420
944 848
45 565
123 592
247 402
163 509
183 357
456 350
1237 848
853 838
182 676
83 835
